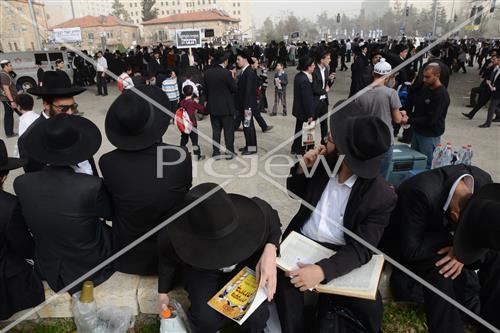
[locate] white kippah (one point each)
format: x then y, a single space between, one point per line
5 61
382 67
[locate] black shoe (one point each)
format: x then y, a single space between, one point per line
216 156
284 113
496 120
98 94
467 115
272 114
484 125
229 156
268 128
470 106
242 149
13 135
247 152
105 95
263 111
403 140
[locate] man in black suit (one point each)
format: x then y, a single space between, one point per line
64 209
155 65
142 202
494 87
219 89
358 68
322 82
246 100
429 204
20 286
356 198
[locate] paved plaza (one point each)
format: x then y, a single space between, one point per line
244 178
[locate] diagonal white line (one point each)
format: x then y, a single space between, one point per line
134 89
115 256
376 250
394 71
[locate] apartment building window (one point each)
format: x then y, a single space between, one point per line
15 46
178 2
91 36
238 4
234 4
10 46
214 2
209 1
238 12
168 12
13 27
136 4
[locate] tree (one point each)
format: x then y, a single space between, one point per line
120 12
148 12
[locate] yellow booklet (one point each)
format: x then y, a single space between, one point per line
240 297
361 282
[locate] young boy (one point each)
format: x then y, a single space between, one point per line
191 106
171 89
125 82
28 116
280 83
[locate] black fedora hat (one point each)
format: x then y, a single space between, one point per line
63 140
133 123
362 138
56 84
220 56
218 232
245 55
478 228
9 163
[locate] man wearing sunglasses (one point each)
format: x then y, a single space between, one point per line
57 95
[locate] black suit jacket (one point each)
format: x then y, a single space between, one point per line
246 95
367 214
219 89
317 84
418 221
154 67
20 287
141 201
303 97
63 210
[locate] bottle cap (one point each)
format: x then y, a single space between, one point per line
87 295
166 313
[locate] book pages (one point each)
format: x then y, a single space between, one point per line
361 282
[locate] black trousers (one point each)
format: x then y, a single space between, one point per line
290 306
201 287
484 97
471 60
474 95
8 119
444 317
102 86
258 117
250 136
493 109
220 123
194 141
342 63
297 147
321 110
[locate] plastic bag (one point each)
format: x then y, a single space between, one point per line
308 133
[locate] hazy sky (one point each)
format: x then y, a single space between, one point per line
311 8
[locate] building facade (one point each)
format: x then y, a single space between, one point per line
102 30
163 29
17 33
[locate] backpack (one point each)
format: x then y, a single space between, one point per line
184 124
403 92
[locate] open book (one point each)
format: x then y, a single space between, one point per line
240 297
361 282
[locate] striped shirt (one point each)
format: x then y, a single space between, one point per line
170 87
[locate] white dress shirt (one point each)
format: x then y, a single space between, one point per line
323 224
322 71
25 120
102 64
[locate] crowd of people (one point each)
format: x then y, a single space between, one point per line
442 223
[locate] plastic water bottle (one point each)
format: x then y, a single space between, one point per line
247 117
173 319
85 311
470 153
462 155
447 156
437 157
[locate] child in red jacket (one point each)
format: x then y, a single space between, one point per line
191 107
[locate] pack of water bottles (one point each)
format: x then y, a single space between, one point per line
445 155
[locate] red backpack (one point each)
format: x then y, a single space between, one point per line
184 124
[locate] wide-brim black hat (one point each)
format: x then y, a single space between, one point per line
56 84
9 163
478 227
63 140
220 231
133 122
362 138
221 56
245 55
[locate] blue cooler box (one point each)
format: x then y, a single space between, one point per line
406 163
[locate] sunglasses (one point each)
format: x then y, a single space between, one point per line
65 108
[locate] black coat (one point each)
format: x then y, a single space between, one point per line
418 220
20 287
246 95
154 67
303 98
219 89
63 210
141 201
317 84
358 70
367 214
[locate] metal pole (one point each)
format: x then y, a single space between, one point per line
72 8
35 25
435 19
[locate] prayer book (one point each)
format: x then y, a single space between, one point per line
240 297
361 282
